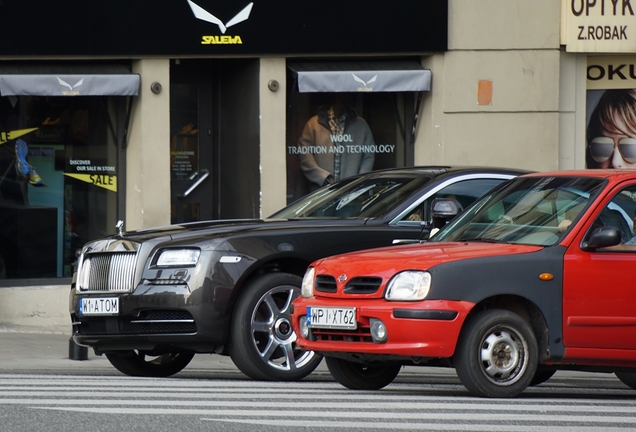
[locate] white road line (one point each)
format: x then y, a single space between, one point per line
273 402
476 427
487 417
35 398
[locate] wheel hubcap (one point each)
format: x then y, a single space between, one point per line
283 328
272 332
504 356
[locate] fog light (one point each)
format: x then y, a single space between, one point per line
378 331
304 328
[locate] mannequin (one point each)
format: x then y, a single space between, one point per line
335 143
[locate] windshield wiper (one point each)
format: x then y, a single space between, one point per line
483 239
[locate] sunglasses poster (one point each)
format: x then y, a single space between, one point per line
611 112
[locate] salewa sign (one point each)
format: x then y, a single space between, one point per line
245 28
204 15
598 26
365 84
72 88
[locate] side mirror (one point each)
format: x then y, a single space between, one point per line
602 237
443 210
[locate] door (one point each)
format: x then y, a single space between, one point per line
599 291
191 143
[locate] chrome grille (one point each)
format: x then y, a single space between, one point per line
148 322
110 272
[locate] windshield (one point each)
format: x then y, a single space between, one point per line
534 211
358 198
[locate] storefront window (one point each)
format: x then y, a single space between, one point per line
611 129
611 114
58 181
336 134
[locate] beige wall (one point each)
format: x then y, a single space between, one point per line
515 45
148 155
572 107
272 114
503 24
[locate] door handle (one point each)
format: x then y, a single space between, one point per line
198 177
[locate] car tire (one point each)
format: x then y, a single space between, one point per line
136 363
3 268
627 378
541 376
262 342
362 376
496 354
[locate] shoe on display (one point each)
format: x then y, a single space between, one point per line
21 153
34 178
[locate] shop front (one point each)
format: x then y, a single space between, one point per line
603 35
193 110
63 132
383 96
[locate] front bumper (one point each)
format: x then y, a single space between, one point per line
415 329
157 318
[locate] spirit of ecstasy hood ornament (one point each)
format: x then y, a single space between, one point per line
120 227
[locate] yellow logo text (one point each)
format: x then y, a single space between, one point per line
221 40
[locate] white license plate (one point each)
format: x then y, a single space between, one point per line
99 306
332 317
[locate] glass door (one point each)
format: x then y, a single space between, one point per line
191 144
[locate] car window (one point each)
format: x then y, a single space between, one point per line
534 211
359 198
620 213
465 192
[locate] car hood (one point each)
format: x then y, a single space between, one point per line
385 262
223 228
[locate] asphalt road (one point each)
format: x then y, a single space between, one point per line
41 388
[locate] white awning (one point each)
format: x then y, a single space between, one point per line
67 81
362 77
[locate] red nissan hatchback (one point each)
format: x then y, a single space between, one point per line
534 277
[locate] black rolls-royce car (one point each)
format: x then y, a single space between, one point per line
151 299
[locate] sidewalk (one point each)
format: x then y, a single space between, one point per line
28 351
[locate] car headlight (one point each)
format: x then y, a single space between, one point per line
307 287
409 286
178 257
83 273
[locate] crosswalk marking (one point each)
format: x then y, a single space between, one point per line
476 427
534 408
400 406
